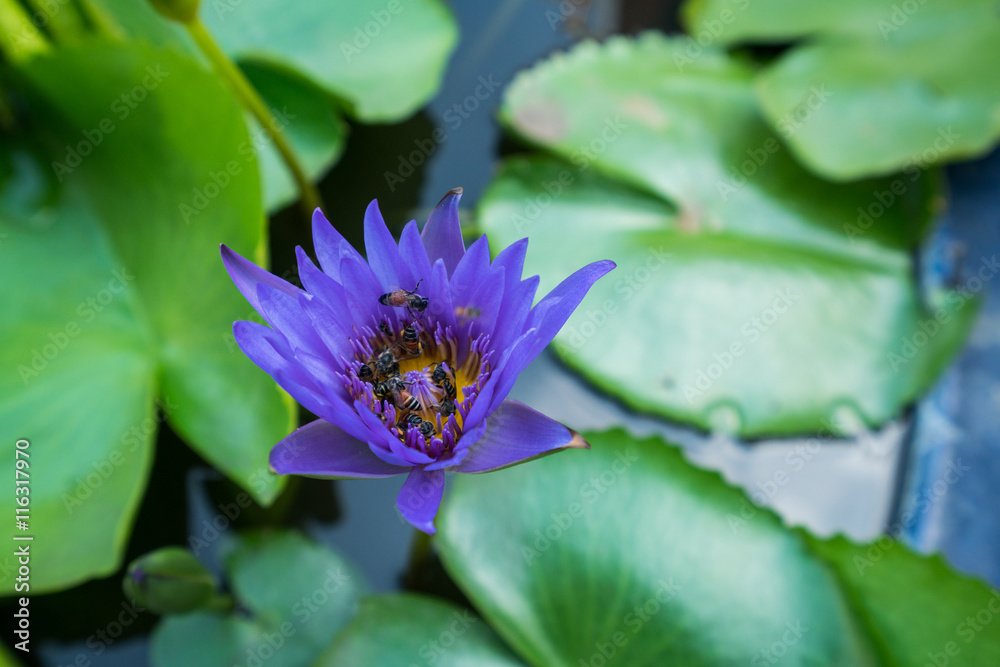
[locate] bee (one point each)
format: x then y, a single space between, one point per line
386 363
468 312
384 328
440 374
365 373
395 383
381 391
448 388
446 407
406 400
426 428
412 419
411 342
402 298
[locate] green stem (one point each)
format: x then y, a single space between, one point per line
420 553
250 99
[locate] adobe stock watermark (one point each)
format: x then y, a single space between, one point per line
39 18
627 287
590 492
303 611
752 330
952 474
565 10
121 108
912 168
967 630
457 114
130 441
704 35
772 655
218 181
634 621
758 156
956 300
898 17
435 649
86 312
581 158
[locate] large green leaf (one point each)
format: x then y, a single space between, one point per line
385 58
398 629
628 554
124 262
722 282
293 595
879 86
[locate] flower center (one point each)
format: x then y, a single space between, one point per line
414 381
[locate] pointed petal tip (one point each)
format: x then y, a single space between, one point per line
454 192
577 442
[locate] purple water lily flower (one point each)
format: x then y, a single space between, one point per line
407 358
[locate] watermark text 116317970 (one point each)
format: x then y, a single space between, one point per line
22 552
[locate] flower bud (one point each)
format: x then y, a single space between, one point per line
169 581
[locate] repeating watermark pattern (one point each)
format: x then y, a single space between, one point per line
44 12
911 345
303 611
771 655
454 117
590 492
751 330
877 549
627 287
363 35
432 651
704 35
582 158
121 108
898 17
911 170
634 621
565 12
758 156
218 181
86 311
102 470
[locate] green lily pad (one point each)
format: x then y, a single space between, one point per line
113 278
879 86
628 555
294 597
750 296
399 629
385 57
921 611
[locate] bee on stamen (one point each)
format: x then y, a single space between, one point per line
365 373
386 363
381 391
395 383
402 298
405 400
446 407
385 329
411 341
412 419
426 428
440 374
448 388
